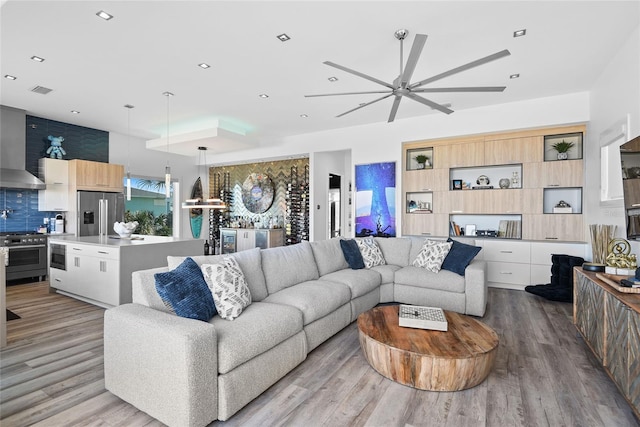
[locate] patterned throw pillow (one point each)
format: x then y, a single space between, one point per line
184 291
432 255
370 251
228 286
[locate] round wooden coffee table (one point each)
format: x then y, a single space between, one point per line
457 359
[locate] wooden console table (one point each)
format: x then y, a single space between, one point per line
609 321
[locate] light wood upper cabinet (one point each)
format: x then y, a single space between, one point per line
426 180
458 155
565 173
513 150
425 225
96 176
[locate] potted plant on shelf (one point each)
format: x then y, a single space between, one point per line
422 160
563 148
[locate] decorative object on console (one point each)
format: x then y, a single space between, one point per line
456 184
601 235
515 180
504 182
124 229
419 317
620 260
483 180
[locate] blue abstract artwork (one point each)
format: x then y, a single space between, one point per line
375 200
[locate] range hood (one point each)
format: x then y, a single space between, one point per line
13 142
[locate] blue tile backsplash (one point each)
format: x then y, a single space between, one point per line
21 206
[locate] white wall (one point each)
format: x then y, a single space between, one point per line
382 142
615 95
323 164
151 163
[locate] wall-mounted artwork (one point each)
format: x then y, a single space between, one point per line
375 200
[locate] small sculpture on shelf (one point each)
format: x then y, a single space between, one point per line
620 258
562 207
504 183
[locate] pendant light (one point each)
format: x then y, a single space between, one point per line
208 203
167 169
128 107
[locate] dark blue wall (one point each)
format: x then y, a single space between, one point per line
79 143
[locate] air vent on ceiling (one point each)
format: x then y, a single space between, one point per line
41 90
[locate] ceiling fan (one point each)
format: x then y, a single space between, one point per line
402 86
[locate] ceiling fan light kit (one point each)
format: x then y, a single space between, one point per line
402 86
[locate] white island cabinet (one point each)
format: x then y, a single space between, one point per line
98 269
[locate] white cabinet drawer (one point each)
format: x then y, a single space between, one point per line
503 251
541 252
512 273
92 250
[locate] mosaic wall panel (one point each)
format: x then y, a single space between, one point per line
227 182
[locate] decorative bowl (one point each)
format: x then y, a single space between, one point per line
125 229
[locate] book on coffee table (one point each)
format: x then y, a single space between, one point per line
415 316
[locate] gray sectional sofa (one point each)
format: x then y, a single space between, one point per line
186 372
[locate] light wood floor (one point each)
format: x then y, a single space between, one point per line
51 374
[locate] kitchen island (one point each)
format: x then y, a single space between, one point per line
97 269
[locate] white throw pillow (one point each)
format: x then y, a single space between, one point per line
370 251
431 255
228 286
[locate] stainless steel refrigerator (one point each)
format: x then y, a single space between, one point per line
97 211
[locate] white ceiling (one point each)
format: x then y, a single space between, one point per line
149 47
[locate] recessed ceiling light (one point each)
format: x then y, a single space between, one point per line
203 65
10 77
75 111
304 116
37 58
283 37
263 95
104 15
519 33
514 76
333 79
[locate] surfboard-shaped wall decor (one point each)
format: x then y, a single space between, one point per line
195 215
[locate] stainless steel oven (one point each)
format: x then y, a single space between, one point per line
27 255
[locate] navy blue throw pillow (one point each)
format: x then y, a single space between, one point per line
185 290
352 254
459 256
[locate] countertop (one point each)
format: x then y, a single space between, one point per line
117 241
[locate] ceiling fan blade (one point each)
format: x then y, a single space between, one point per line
347 93
462 89
358 73
429 103
394 109
412 61
461 68
364 105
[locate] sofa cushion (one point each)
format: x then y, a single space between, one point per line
387 272
459 256
261 327
186 292
417 276
286 266
371 254
432 255
328 256
360 282
250 262
352 254
395 250
315 298
228 286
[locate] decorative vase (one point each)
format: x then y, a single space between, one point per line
563 156
504 183
421 165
